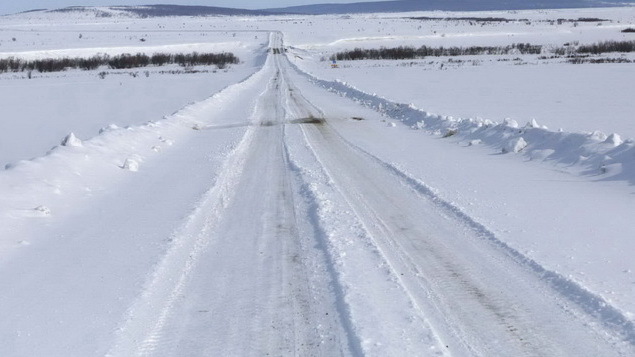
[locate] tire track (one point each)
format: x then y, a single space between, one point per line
145 321
243 276
440 258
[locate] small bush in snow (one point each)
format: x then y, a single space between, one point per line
449 133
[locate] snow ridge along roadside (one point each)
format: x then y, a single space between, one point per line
598 155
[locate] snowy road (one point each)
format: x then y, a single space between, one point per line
267 232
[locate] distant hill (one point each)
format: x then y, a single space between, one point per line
321 9
446 5
165 10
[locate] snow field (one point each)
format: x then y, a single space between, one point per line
593 154
87 184
276 217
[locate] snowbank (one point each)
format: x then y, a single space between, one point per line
589 153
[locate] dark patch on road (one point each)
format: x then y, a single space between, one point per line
309 120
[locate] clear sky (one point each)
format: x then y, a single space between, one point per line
13 6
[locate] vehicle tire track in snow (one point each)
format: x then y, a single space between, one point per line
358 272
146 318
244 276
260 289
461 282
143 328
446 273
587 301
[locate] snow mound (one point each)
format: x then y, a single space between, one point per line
580 153
71 140
168 142
131 164
510 123
515 145
110 127
533 124
614 139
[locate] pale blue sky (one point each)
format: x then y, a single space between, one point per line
13 6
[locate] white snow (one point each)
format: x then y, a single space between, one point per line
71 140
280 206
515 145
131 164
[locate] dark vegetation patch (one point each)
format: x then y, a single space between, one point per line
587 19
450 133
407 52
474 19
582 60
124 61
487 20
608 46
629 30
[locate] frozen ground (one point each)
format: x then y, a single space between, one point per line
291 208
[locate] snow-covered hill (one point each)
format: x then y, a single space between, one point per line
154 11
444 5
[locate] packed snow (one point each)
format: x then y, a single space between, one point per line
286 204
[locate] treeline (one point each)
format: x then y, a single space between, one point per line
607 46
124 61
407 52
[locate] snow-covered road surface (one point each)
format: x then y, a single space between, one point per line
268 232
